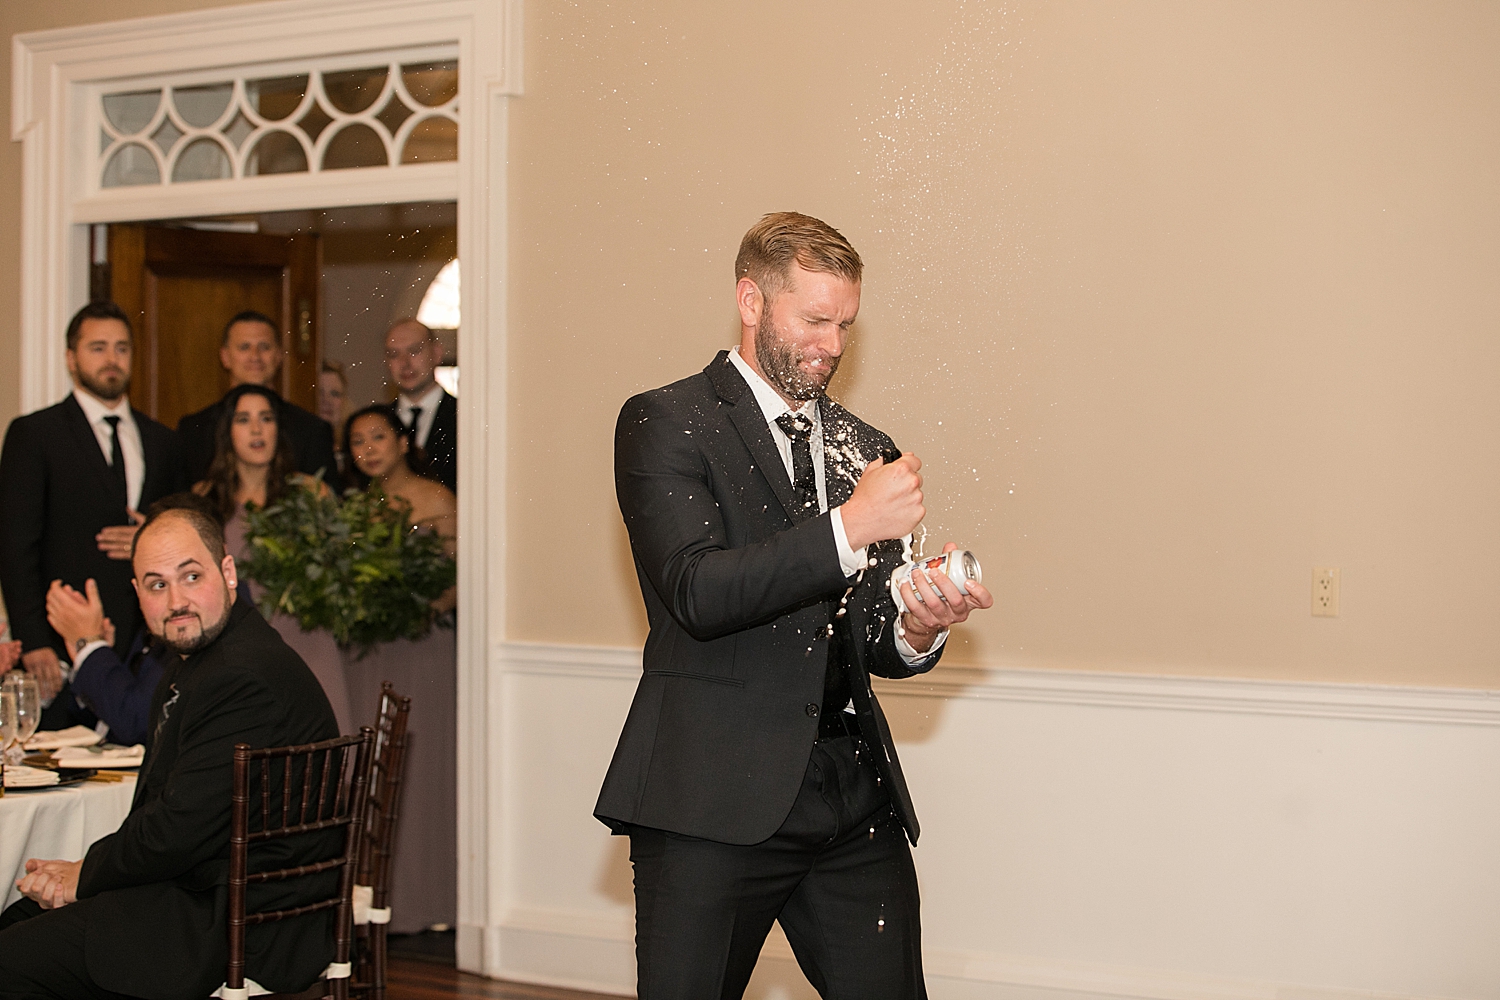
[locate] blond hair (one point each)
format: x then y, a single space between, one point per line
781 238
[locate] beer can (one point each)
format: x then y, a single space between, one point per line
960 566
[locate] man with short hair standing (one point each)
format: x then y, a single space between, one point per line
143 914
756 776
250 351
428 411
72 478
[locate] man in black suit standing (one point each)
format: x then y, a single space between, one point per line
74 476
144 913
250 352
429 412
756 775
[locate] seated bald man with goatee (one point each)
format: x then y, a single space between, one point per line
144 913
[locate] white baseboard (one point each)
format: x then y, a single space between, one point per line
585 951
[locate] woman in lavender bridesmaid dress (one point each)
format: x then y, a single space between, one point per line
424 888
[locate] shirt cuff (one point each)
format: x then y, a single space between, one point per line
850 561
911 656
84 653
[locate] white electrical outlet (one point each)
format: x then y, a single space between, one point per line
1325 592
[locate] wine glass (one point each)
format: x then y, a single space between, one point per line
10 726
28 710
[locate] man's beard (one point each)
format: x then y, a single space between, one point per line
105 390
781 364
184 647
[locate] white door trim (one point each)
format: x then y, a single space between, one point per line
53 71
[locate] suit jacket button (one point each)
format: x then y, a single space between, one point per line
812 710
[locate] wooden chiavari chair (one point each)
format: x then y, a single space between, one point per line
377 843
297 791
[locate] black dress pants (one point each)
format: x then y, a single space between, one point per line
838 876
41 954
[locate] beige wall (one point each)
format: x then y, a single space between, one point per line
1210 287
1176 300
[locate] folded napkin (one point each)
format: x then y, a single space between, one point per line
53 739
100 756
21 776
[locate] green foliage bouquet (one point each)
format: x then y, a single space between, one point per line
356 567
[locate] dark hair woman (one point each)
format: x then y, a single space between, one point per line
254 463
381 452
406 451
252 458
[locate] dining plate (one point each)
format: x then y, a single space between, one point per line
66 777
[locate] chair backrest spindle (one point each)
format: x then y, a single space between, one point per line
378 838
323 790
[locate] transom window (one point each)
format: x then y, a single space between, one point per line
381 110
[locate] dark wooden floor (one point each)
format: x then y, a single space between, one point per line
411 979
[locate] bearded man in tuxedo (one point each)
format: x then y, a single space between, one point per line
756 776
74 477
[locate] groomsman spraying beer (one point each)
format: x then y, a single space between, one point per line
756 776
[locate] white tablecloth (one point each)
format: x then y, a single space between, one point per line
57 823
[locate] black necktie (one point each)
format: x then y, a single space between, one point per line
804 483
117 457
411 429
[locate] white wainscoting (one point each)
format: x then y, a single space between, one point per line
1085 835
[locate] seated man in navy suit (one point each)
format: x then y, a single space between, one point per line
106 687
117 691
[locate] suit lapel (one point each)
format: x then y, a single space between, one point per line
443 421
85 441
842 456
748 419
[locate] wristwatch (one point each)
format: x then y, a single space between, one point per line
84 640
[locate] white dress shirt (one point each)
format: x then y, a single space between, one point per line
428 401
130 440
850 560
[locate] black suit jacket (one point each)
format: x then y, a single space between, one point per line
157 927
310 434
56 492
739 595
442 442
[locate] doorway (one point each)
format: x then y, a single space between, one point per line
180 282
336 279
60 78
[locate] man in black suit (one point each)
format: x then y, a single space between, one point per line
756 775
72 478
250 352
428 411
144 913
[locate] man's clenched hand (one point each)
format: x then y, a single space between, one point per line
887 502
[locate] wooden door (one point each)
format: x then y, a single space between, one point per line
180 286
